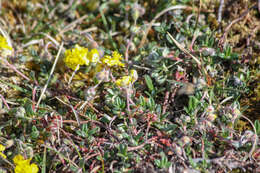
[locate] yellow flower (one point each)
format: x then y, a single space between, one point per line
127 80
2 148
76 57
124 81
114 60
23 165
93 56
5 49
134 75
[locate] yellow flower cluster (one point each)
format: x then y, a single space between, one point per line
2 148
114 60
78 56
5 49
23 166
127 80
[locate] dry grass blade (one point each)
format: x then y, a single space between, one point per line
72 25
76 115
52 70
255 140
184 50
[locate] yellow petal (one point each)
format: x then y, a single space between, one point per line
2 148
3 155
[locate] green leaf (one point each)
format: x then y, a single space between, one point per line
35 133
149 82
257 127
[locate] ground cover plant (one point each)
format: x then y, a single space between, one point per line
129 86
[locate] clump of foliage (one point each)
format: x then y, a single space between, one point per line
129 86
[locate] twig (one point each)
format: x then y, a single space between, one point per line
52 70
177 7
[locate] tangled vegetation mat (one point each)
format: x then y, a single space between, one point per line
143 86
